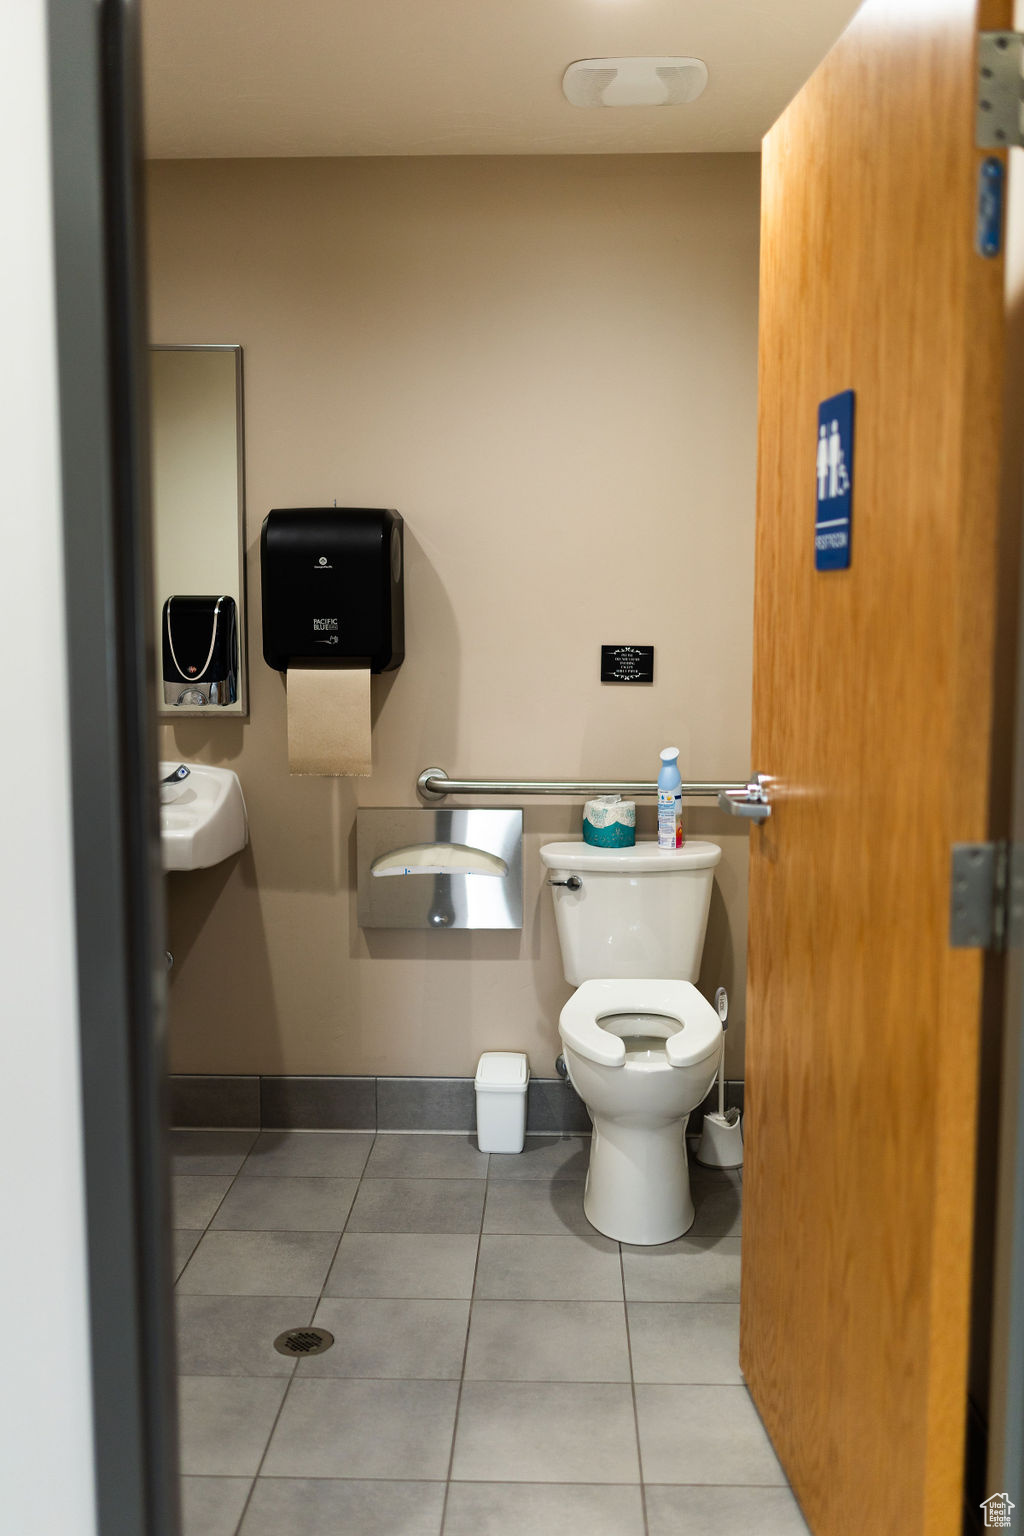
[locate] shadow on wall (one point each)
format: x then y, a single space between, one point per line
431 675
206 739
187 918
720 965
717 967
240 985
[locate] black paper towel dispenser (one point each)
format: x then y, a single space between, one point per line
333 588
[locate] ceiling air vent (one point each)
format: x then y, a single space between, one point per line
634 82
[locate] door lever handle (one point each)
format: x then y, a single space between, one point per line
752 802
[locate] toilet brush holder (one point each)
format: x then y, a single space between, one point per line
721 1140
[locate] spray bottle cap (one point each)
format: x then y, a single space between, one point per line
669 754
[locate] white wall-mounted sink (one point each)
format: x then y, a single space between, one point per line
202 816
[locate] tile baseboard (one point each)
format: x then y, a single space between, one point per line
426 1104
318 1103
228 1103
553 1105
342 1103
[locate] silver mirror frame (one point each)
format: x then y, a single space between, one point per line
241 712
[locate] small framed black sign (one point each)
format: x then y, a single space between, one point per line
627 663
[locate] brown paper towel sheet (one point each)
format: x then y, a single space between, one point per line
329 721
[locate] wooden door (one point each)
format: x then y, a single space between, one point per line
873 712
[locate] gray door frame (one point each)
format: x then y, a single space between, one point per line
96 159
1005 1471
1000 1304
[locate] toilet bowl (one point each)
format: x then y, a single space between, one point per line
641 1054
641 1044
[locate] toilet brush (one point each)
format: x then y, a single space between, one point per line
721 1140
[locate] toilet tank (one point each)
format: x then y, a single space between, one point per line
640 911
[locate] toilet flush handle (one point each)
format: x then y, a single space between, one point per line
571 883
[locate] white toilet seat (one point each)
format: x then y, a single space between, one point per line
697 1036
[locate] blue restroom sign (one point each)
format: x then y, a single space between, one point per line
834 482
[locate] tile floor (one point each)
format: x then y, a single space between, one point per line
499 1368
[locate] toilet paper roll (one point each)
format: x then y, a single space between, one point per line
610 822
329 721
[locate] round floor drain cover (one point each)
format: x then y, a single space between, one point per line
303 1341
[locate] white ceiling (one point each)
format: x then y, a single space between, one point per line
455 77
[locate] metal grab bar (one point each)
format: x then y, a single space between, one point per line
434 784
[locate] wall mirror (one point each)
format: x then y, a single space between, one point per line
198 482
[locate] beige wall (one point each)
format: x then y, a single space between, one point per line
548 366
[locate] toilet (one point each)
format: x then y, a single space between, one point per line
641 1044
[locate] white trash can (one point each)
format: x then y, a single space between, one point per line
501 1082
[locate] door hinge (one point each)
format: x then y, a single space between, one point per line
986 903
997 109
